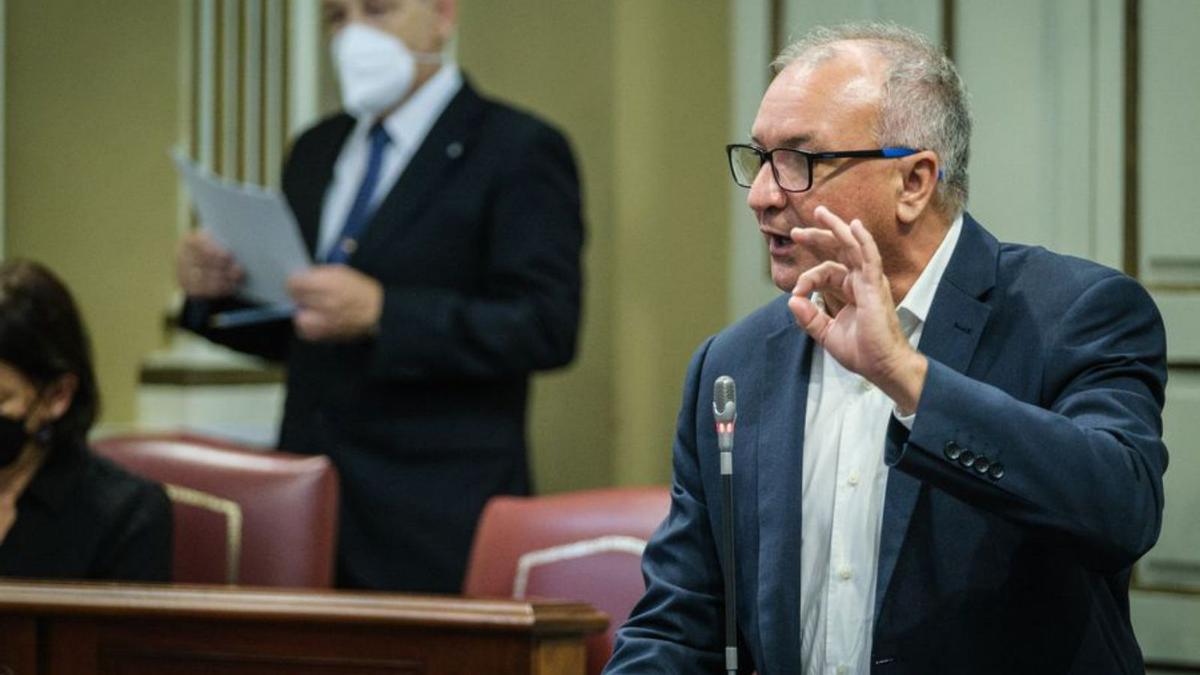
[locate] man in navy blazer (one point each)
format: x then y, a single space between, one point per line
948 450
410 353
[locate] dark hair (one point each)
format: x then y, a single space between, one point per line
42 336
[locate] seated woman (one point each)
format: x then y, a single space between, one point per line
64 512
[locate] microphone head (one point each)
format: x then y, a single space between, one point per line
724 399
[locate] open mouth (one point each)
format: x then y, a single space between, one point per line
779 244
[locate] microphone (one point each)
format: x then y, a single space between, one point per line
725 415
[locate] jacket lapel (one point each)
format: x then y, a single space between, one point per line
780 442
448 143
951 334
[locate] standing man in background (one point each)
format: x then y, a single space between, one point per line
446 228
948 454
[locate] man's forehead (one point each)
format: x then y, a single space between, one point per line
807 102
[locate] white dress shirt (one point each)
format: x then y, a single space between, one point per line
407 127
844 482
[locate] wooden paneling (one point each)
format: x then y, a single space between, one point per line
104 629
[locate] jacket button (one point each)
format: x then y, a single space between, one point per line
967 458
996 472
952 450
982 464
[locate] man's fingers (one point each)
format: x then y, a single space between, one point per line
814 237
851 250
310 324
205 250
820 243
866 242
826 276
304 284
809 316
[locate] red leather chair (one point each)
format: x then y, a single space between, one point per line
242 516
584 546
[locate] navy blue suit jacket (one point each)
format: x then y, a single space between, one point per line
1030 483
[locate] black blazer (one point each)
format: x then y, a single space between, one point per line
477 247
84 517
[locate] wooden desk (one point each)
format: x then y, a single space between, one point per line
110 629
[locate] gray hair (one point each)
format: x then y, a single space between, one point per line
924 102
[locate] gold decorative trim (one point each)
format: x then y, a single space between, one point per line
233 522
197 377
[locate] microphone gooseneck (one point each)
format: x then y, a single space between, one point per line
725 417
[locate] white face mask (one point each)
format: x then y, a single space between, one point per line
375 68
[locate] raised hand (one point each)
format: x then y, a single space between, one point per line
858 326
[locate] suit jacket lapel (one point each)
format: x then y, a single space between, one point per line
951 334
447 144
780 443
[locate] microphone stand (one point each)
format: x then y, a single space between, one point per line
725 413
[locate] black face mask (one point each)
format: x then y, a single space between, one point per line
13 438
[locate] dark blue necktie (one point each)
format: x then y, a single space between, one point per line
360 212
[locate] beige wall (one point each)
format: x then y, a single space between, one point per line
90 110
641 87
533 54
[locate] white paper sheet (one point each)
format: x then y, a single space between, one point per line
256 225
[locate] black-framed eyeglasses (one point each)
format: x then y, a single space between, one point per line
793 169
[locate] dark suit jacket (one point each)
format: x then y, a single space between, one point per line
84 517
1045 370
477 247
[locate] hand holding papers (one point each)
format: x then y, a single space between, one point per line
258 228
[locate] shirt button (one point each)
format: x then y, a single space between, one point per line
853 478
842 670
865 384
845 573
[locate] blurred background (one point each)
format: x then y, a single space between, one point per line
1086 118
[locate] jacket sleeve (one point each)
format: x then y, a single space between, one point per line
525 315
677 625
1085 464
268 340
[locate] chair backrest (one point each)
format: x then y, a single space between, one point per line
583 546
242 516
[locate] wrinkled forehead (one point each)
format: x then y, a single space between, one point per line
823 103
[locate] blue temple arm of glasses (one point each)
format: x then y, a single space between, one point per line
905 152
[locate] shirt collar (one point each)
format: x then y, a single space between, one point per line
408 124
915 306
919 299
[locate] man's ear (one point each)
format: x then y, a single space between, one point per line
919 179
57 397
